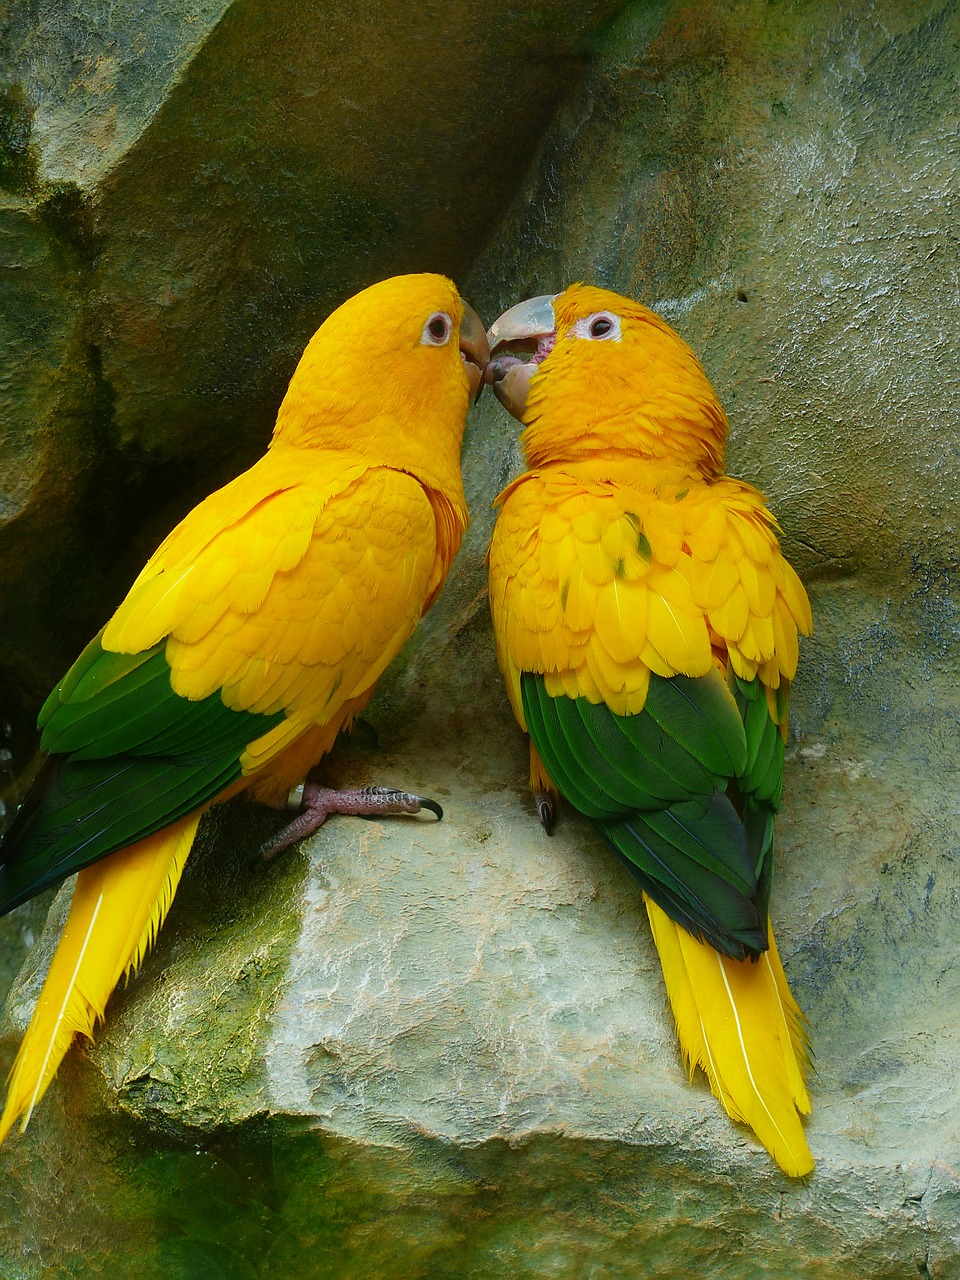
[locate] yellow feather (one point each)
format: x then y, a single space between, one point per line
676 627
745 668
549 563
759 585
706 540
586 524
619 542
792 1025
657 663
662 528
553 527
769 673
147 613
621 620
786 643
596 564
204 617
578 598
730 620
756 537
712 582
739 1022
798 600
118 905
757 640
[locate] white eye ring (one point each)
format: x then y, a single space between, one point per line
437 330
602 326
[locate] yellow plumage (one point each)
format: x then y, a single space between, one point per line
256 632
622 557
648 592
738 1021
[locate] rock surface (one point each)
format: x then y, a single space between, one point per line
442 1050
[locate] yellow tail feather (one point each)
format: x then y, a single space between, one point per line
738 1020
119 904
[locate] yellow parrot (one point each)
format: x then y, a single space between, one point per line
255 633
646 626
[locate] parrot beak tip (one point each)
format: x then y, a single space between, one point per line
510 378
474 349
526 330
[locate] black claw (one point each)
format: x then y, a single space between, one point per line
432 806
547 813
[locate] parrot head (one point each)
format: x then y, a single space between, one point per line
389 375
589 372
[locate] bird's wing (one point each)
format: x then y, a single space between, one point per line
619 642
277 601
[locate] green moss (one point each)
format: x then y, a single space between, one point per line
279 1199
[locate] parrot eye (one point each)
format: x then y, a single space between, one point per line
437 330
601 326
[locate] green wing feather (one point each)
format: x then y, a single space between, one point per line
559 753
701 716
761 785
684 793
128 756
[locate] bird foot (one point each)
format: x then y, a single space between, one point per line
546 810
360 802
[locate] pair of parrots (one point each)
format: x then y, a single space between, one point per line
645 623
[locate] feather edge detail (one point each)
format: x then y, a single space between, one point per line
734 1020
135 885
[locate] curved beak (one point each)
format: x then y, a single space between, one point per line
474 348
520 340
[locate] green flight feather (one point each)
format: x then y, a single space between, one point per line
655 783
91 676
758 728
672 769
545 730
769 787
769 755
707 905
129 756
758 824
701 714
619 746
596 753
711 835
762 776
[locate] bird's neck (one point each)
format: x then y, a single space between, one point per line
411 434
690 444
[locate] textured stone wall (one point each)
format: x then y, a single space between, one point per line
442 1050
